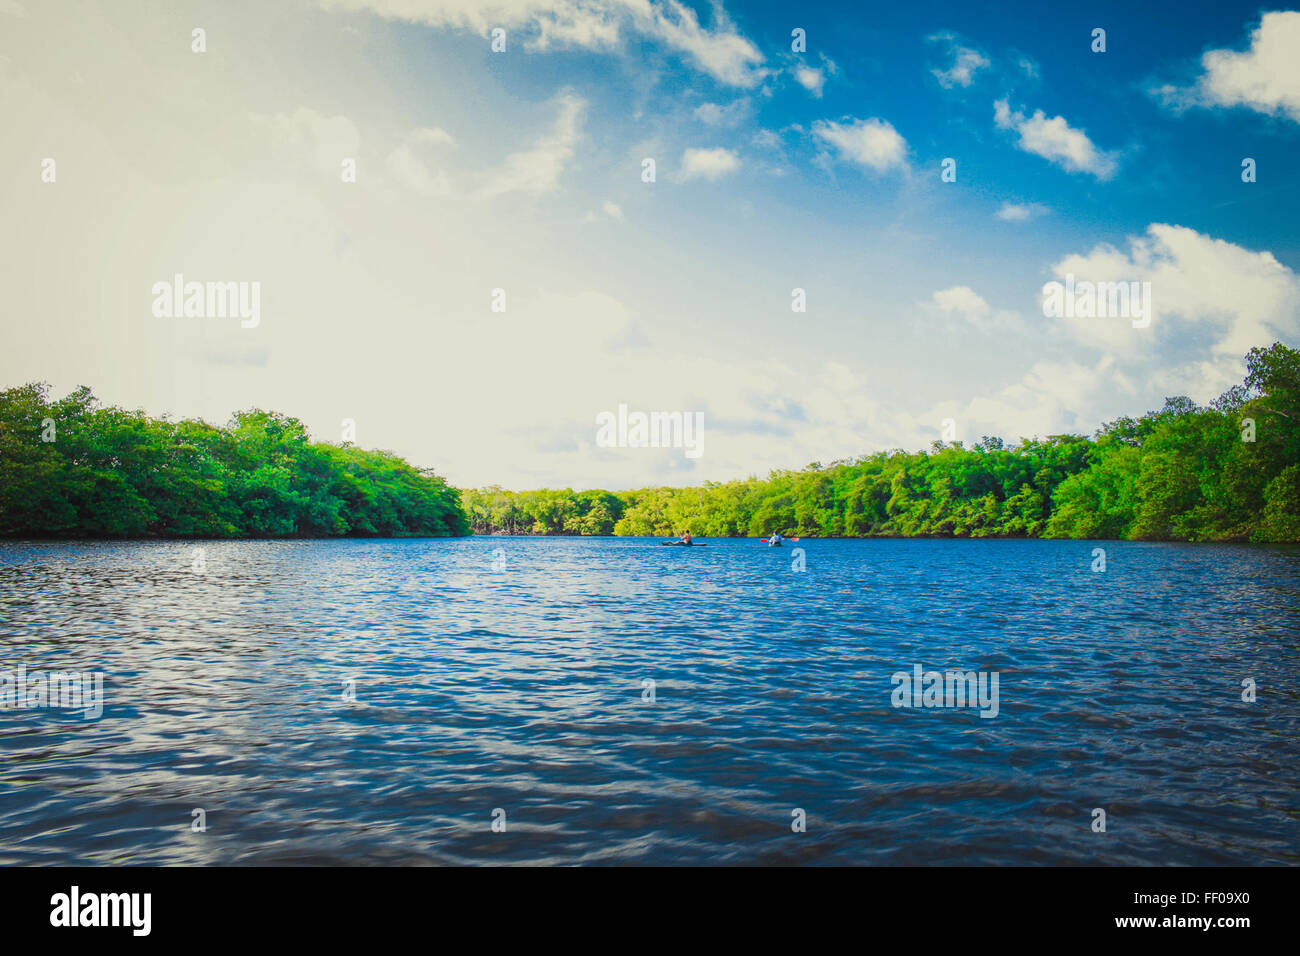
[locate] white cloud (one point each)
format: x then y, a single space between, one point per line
1264 78
1052 397
719 51
966 62
961 300
722 53
13 8
1206 294
963 306
708 163
570 25
810 79
873 143
1055 140
612 209
585 23
1020 212
537 170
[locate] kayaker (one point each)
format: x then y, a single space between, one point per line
775 540
685 538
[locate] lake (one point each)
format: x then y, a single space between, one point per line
613 701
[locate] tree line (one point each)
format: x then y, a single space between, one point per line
71 468
1229 471
1226 472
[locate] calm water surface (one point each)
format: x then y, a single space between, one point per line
522 689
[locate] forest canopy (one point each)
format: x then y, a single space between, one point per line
72 468
1227 472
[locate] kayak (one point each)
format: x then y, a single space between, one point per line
776 544
683 544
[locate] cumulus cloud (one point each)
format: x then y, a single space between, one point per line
1051 397
720 50
1264 78
872 143
1207 295
966 62
963 306
709 164
962 300
1055 140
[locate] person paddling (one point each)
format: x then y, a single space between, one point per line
685 538
775 540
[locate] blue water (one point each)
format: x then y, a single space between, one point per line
520 689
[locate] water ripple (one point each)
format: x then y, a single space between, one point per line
525 689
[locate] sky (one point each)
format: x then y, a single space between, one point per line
778 166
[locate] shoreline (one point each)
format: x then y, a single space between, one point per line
37 539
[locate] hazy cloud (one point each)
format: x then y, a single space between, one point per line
966 62
538 169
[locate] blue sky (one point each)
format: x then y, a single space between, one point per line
522 169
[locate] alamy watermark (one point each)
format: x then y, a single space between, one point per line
946 689
68 690
130 910
179 299
1098 300
626 429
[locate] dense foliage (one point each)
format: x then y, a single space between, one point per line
1230 471
73 468
1181 473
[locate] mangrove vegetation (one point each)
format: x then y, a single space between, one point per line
1227 472
72 468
